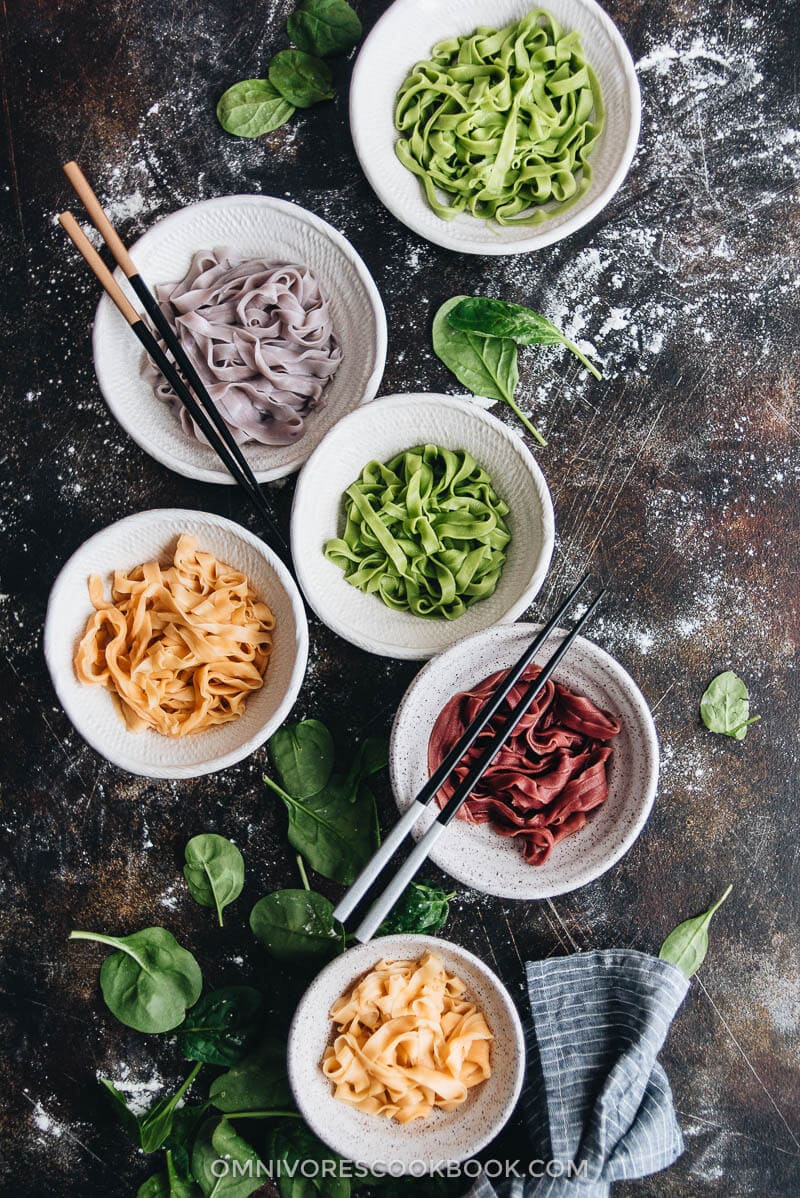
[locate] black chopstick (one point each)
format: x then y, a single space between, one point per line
200 405
390 895
392 842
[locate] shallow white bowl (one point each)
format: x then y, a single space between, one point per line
424 1143
476 855
92 709
257 226
379 431
404 35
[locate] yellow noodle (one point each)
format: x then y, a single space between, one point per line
407 1040
181 646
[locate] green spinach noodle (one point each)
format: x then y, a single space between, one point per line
502 122
425 532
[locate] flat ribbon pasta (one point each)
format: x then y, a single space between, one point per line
407 1040
502 122
425 532
180 646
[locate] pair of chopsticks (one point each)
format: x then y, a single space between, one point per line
371 871
179 372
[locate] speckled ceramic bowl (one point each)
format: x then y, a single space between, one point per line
422 1144
144 537
405 34
259 227
379 431
475 854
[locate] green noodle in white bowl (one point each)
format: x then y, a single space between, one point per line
582 110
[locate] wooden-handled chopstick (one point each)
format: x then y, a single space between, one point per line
199 404
167 368
390 895
401 829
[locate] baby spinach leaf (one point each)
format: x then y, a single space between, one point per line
222 1026
497 318
324 27
168 1185
336 830
423 909
149 981
485 365
252 108
123 1112
303 755
151 1130
725 706
297 926
256 1083
181 1138
336 827
301 78
687 945
214 871
292 1144
219 1141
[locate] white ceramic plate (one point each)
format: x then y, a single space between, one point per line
144 537
379 431
404 35
256 226
424 1143
476 855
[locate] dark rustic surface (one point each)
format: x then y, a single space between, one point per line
677 477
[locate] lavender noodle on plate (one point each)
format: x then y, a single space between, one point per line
261 337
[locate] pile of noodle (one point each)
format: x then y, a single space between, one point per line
261 338
407 1040
180 646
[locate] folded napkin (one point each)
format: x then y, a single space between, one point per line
597 1102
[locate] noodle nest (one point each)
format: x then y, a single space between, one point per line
180 646
407 1041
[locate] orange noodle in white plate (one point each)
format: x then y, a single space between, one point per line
180 646
407 1041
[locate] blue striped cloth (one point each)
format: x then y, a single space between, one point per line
598 1104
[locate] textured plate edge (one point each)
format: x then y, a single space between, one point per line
404 652
649 727
104 309
423 942
533 242
50 647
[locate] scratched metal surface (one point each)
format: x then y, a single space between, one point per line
676 477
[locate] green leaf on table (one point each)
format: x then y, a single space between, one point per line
303 755
292 1144
222 1027
725 706
422 909
219 1141
151 1130
336 827
486 366
149 981
214 871
252 108
324 27
168 1184
297 927
302 79
478 314
687 945
257 1083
